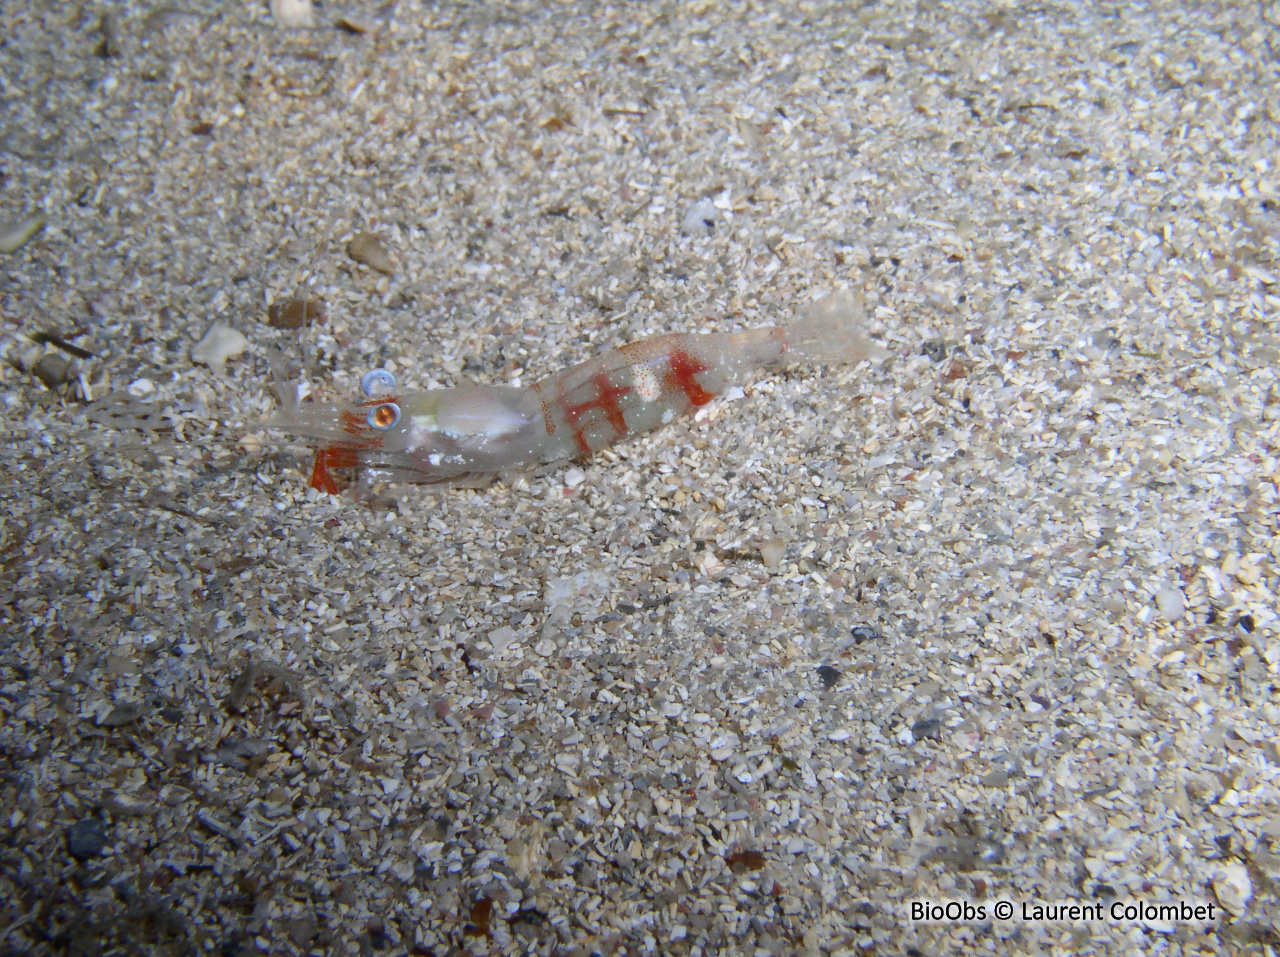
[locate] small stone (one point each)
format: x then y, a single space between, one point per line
1171 603
935 349
368 249
86 839
296 312
926 728
219 344
829 676
1233 887
141 388
574 477
123 714
14 236
996 779
301 930
293 13
1006 767
545 648
53 371
701 219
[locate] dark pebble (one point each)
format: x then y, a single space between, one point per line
123 714
829 676
86 839
53 371
926 728
935 349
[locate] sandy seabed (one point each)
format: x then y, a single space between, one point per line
844 665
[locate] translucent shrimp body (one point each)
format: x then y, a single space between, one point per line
470 432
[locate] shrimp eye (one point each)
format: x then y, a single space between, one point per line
384 416
377 382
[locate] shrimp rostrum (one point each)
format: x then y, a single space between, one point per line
476 431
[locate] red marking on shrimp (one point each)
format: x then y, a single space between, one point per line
548 420
683 369
606 400
353 423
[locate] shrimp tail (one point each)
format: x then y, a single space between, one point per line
832 331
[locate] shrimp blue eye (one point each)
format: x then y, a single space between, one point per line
377 382
383 417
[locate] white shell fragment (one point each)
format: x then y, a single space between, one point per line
293 13
501 638
545 648
1233 887
701 219
1171 603
219 344
14 236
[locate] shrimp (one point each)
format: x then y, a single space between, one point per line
475 432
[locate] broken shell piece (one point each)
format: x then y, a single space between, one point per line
701 219
295 313
501 638
1233 887
771 553
53 370
14 236
368 249
219 344
1171 603
293 13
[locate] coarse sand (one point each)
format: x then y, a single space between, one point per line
989 620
